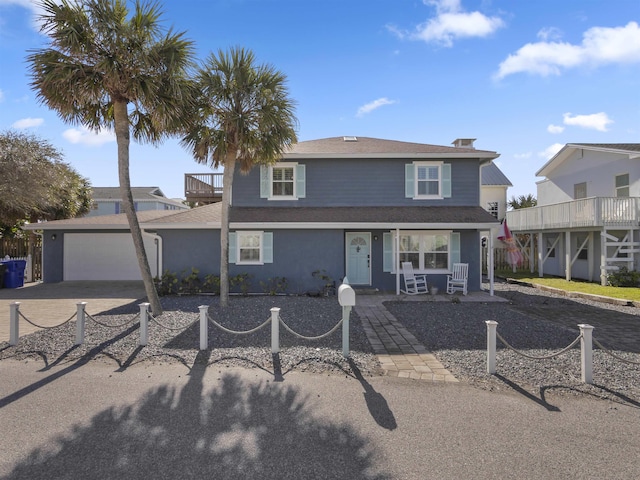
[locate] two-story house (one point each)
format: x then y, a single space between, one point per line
348 206
107 200
587 221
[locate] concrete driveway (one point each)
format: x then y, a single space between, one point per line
50 304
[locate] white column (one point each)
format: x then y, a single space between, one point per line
144 323
80 320
490 263
204 327
491 346
586 352
567 255
275 330
14 328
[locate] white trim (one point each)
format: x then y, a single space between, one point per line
435 271
416 181
291 165
482 156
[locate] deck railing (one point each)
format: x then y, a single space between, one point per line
202 185
586 212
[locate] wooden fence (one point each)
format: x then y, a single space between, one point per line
22 248
500 262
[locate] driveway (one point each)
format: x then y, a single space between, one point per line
50 304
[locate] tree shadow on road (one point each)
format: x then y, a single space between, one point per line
236 430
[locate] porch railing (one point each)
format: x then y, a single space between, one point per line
587 212
203 186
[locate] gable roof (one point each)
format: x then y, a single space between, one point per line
492 176
632 150
139 193
366 147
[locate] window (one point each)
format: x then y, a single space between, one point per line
581 246
426 250
622 185
580 190
550 247
250 248
283 181
493 209
427 180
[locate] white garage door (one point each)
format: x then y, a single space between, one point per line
104 256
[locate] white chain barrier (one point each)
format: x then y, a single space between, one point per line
346 299
586 350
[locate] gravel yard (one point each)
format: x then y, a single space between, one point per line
536 322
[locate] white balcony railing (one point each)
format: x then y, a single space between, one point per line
587 212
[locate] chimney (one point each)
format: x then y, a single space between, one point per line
464 143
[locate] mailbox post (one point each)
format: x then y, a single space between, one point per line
346 299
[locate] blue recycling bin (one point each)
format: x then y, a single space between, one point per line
14 275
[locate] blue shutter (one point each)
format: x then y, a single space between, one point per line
232 248
454 249
387 255
446 180
265 189
267 247
301 190
409 180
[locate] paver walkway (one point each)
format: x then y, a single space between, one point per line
399 352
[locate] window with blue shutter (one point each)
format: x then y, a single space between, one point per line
454 249
232 247
250 248
387 252
283 181
427 180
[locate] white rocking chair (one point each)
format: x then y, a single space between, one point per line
413 284
457 281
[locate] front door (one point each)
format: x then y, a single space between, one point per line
359 258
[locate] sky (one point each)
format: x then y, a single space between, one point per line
522 77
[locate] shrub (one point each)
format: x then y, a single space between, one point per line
190 283
242 281
274 285
167 284
211 284
624 278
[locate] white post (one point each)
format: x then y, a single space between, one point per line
14 331
275 330
144 323
586 351
491 346
204 327
346 312
80 320
491 263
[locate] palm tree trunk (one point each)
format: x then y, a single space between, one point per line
121 120
227 181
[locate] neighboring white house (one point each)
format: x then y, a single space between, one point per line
587 222
107 200
493 194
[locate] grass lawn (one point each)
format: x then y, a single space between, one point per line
626 293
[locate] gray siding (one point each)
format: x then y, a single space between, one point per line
186 249
360 182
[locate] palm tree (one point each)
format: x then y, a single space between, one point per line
246 118
523 201
107 67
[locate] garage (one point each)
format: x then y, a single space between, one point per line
105 256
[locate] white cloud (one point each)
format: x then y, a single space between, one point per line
522 156
555 128
549 33
371 106
551 150
595 121
451 23
1 96
85 136
600 46
28 123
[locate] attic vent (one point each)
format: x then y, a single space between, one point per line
350 139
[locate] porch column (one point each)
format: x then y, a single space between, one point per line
540 256
490 263
603 257
590 254
567 255
397 260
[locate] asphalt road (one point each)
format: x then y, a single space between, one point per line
172 421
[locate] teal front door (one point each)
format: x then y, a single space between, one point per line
358 258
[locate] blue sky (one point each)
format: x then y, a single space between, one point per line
523 77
